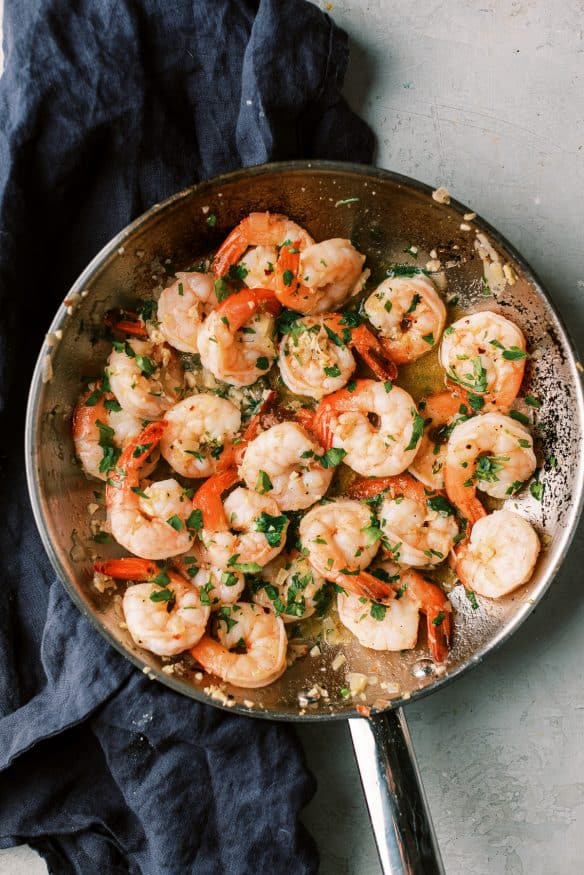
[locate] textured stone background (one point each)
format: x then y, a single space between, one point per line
486 98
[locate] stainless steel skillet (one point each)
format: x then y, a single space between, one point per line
384 214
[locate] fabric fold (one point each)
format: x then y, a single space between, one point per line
106 107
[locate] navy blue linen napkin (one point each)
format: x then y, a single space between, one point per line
107 106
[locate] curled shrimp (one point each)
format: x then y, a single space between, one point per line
138 518
257 229
315 357
285 463
236 340
394 626
182 307
409 316
164 614
199 430
101 428
341 540
490 452
441 412
484 353
290 587
146 378
244 531
311 363
217 586
419 526
499 556
376 425
264 637
320 277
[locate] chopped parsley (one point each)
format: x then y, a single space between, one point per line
536 488
287 277
263 363
176 523
519 417
332 457
212 220
415 301
439 619
194 521
164 595
237 272
532 401
378 611
441 505
272 527
333 371
472 599
221 290
417 430
263 484
429 339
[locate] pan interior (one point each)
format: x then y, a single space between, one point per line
384 215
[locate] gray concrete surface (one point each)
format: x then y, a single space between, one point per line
486 98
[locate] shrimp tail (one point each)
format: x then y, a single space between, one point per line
128 568
438 610
210 654
125 322
439 636
125 475
367 585
369 487
240 307
373 353
230 251
208 500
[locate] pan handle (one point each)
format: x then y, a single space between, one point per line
395 797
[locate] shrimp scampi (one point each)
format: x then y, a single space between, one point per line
376 425
199 430
484 354
284 462
153 522
409 316
182 307
290 587
164 614
263 635
242 532
418 525
499 556
146 378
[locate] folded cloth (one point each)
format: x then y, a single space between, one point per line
107 106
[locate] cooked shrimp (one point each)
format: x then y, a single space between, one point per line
138 518
182 307
290 587
409 315
499 556
258 265
236 340
441 412
320 277
243 532
315 358
164 615
284 462
311 363
341 538
394 626
101 428
490 452
264 636
257 229
217 586
419 526
376 424
145 377
484 353
199 430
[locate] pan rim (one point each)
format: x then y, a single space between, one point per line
33 417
